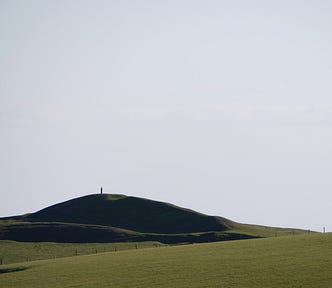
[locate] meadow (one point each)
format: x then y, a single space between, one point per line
14 252
299 261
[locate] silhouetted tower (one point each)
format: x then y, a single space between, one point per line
101 190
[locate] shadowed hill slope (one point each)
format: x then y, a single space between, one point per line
113 217
137 214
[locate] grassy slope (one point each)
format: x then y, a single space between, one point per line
94 218
64 232
292 262
132 213
14 252
266 231
84 233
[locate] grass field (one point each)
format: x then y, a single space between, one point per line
14 252
292 262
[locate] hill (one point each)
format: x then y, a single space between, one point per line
278 262
114 218
132 213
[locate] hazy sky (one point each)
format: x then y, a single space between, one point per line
224 107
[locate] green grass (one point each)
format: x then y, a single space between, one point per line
292 262
13 252
265 231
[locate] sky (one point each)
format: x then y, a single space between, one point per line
224 107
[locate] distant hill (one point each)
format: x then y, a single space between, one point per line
138 214
114 217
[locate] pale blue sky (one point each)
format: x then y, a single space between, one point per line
224 107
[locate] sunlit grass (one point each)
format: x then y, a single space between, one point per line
13 252
295 261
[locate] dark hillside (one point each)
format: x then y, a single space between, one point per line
131 213
83 233
119 218
64 232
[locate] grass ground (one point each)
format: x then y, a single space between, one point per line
14 252
266 231
303 261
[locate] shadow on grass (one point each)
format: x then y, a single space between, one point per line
12 269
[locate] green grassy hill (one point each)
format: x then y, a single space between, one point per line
303 261
132 213
16 252
114 218
64 232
